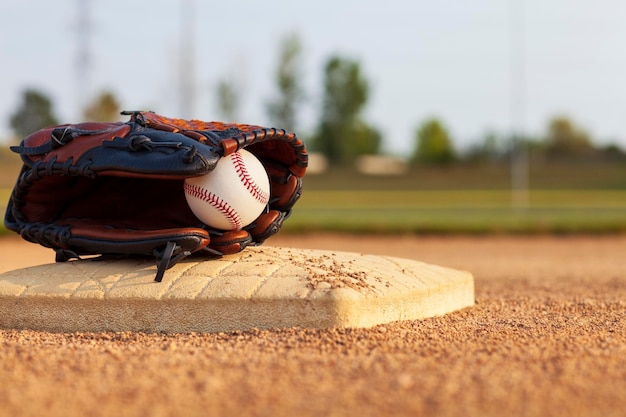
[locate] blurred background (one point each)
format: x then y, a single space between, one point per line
490 116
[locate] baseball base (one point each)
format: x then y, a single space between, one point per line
259 288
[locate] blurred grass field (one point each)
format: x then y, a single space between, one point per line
452 211
465 199
459 211
461 200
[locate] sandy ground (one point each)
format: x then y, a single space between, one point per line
547 337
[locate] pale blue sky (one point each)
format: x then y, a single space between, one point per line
450 59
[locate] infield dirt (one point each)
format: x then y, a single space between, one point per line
546 337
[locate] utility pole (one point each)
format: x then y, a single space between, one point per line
83 63
187 74
519 151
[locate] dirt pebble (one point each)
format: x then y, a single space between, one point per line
546 337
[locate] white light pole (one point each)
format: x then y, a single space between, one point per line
519 151
187 74
83 30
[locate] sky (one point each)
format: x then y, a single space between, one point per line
480 66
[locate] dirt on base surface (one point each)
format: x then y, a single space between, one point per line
547 337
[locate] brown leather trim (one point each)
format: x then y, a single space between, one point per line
263 222
297 170
230 146
81 228
79 146
227 249
230 242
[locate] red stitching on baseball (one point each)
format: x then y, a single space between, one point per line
259 194
216 202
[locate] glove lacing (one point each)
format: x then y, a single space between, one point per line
168 257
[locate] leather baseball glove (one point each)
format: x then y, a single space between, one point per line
117 188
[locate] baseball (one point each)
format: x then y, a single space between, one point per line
231 196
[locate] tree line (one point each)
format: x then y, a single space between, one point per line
342 133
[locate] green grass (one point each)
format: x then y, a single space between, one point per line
4 198
451 211
578 176
459 211
356 199
566 197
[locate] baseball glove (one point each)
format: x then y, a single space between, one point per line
116 189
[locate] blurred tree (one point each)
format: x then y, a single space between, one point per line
34 113
433 144
282 110
613 152
366 139
342 134
489 150
564 138
228 98
104 108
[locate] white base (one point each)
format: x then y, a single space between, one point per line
261 287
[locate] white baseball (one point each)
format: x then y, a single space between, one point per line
231 196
